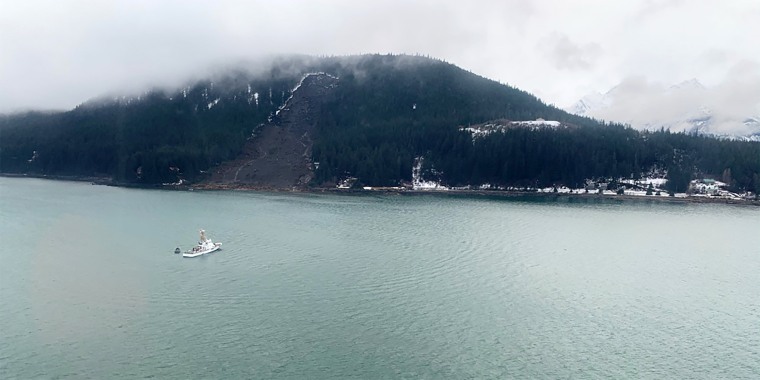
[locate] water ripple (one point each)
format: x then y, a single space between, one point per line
328 286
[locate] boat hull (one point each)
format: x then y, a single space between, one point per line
191 254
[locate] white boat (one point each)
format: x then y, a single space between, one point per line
204 246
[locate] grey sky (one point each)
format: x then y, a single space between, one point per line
57 54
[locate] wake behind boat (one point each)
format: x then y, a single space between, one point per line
204 246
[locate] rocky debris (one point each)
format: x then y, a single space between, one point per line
279 157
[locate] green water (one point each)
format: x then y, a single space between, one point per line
326 287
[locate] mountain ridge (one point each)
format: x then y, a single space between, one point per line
383 115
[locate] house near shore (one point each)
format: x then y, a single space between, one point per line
595 186
708 186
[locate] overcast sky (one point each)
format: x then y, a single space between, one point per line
57 54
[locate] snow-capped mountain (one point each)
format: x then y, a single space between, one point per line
687 106
590 103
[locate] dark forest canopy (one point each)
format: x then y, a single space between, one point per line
387 110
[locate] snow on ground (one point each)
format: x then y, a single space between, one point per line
346 183
479 132
538 123
213 103
178 183
656 182
486 129
418 183
428 185
710 187
639 190
560 190
636 192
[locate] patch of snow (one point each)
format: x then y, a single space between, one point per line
346 183
486 129
708 187
656 182
213 103
560 190
178 183
639 193
478 132
418 183
538 123
429 185
720 184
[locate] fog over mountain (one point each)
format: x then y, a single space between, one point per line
58 54
730 108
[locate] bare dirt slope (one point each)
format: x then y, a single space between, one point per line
279 156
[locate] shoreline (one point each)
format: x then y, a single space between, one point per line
513 194
94 180
561 196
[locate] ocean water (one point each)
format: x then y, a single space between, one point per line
374 286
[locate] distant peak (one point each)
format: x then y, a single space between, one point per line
679 107
690 84
588 104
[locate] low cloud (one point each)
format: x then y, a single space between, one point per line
54 55
565 54
728 104
652 7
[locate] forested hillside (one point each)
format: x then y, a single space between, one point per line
158 133
386 111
